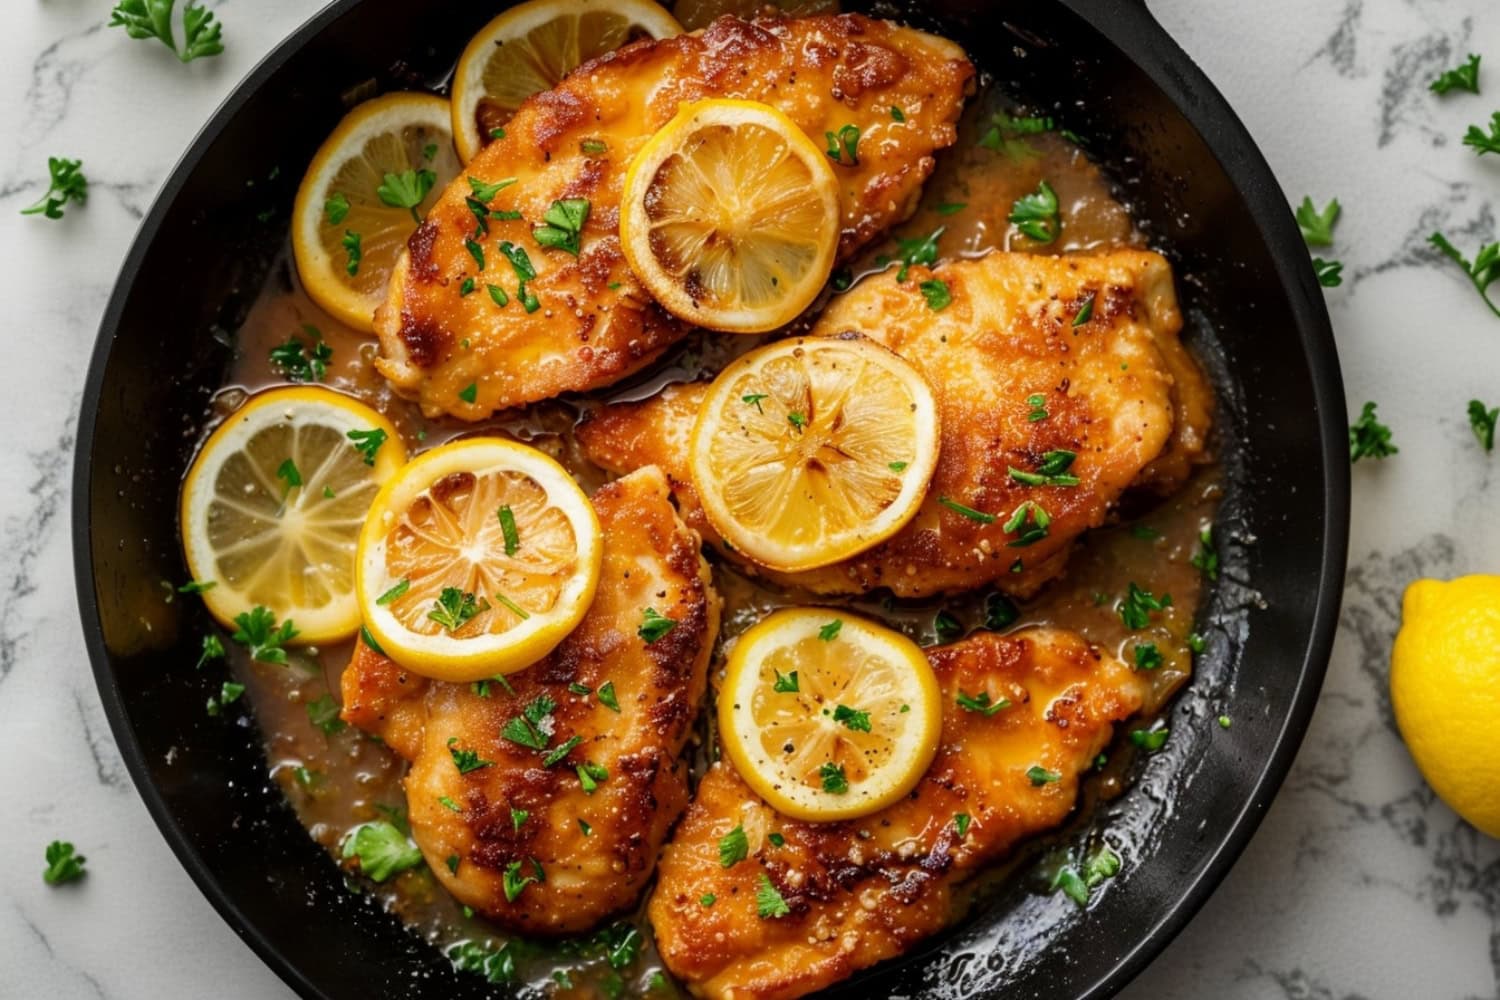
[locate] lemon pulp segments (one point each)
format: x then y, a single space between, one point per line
730 216
478 559
829 726
273 506
808 451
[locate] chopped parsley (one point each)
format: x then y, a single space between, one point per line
830 631
513 882
1086 312
401 587
406 189
497 295
381 849
532 727
952 207
564 225
63 865
465 287
323 712
452 863
966 511
476 251
897 466
351 245
776 839
1030 521
466 760
1150 740
590 775
843 145
1052 471
1483 422
797 420
485 192
368 443
1039 775
1369 438
784 683
213 649
981 703
1196 642
229 693
300 364
454 608
1147 656
1135 610
1330 273
256 630
1078 884
580 689
607 696
336 208
585 828
961 823
1316 224
197 586
897 115
707 899
835 782
1036 214
852 718
556 755
289 473
1463 77
654 625
1482 273
937 294
769 903
946 626
754 399
449 804
1038 404
1206 559
734 847
202 36
1481 141
1000 612
593 147
369 640
469 393
917 251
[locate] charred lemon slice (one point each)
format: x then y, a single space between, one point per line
477 559
812 449
367 189
530 48
730 217
273 506
828 716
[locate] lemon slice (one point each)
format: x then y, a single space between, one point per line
477 559
531 47
811 450
730 216
828 716
273 505
346 236
695 14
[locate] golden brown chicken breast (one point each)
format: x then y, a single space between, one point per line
858 892
563 321
551 792
1060 382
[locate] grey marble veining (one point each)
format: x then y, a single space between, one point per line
1360 884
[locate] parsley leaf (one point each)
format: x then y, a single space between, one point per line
486 192
937 294
466 760
969 512
454 608
1484 271
351 245
512 882
1077 885
336 208
1369 438
1147 656
1036 214
401 587
406 189
1330 273
1038 404
844 143
298 363
1206 559
784 683
769 903
607 696
1135 610
589 776
1317 226
1150 740
381 849
981 703
1464 77
1052 471
469 393
830 631
1031 521
1484 142
753 399
920 250
835 782
1039 775
556 755
1483 421
62 864
202 36
961 823
852 718
654 625
256 630
324 713
531 727
734 847
67 184
213 649
1002 134
508 530
564 225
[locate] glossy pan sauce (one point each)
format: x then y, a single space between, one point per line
336 777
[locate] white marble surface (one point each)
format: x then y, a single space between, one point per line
1359 884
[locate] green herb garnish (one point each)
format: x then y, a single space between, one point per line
454 608
1369 438
564 225
256 630
734 847
66 184
654 625
381 849
1036 214
202 35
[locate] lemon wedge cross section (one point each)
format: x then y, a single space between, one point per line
477 559
273 505
366 191
828 716
730 217
811 450
531 47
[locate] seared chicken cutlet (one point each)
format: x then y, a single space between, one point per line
505 775
1035 358
572 322
861 891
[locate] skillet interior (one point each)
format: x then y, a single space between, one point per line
1254 313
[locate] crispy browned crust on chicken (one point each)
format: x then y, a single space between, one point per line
864 891
650 560
1118 389
595 323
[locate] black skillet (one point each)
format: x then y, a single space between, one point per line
1255 312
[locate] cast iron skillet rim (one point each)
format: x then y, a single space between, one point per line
1145 43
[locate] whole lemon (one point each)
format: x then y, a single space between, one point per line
1445 687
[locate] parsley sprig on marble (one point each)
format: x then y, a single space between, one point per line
1317 230
67 184
1484 270
1464 77
202 35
